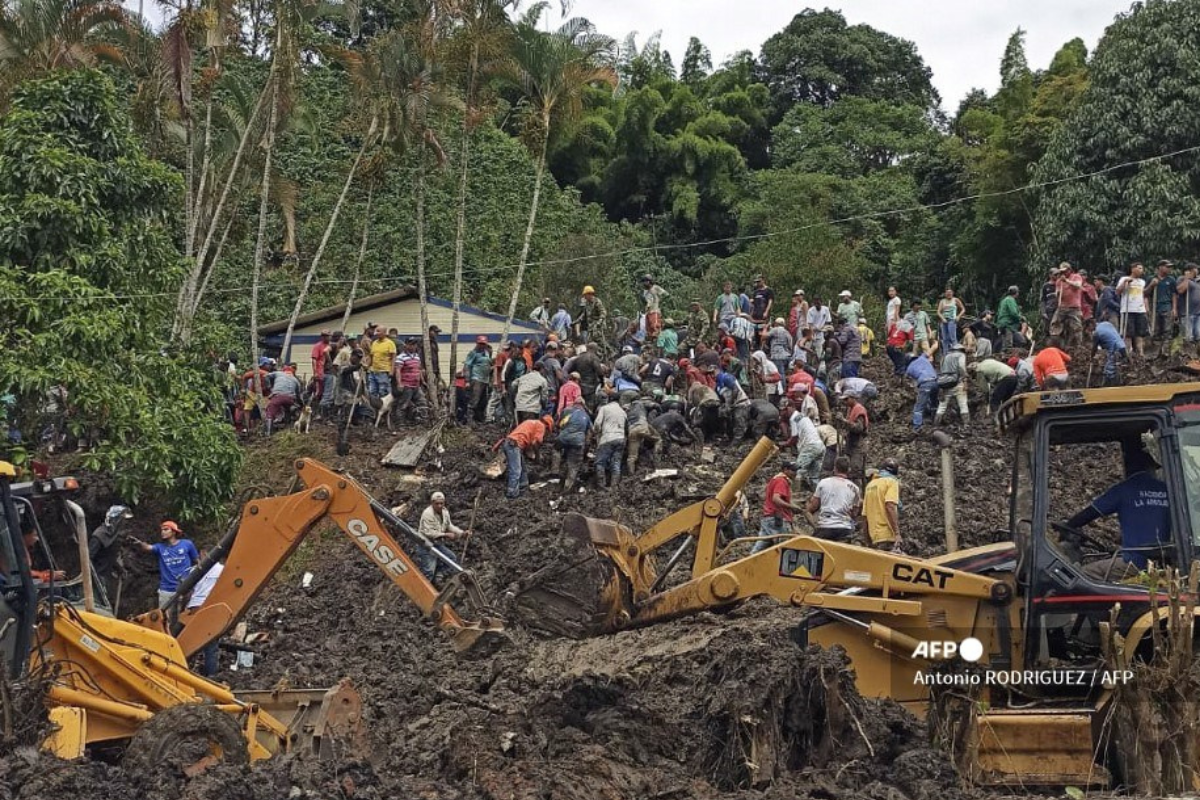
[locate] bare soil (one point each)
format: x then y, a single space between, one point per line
713 706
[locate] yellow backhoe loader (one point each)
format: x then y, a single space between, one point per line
113 685
1030 612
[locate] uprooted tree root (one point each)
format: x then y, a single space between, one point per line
1154 721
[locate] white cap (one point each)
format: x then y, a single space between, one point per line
845 293
437 497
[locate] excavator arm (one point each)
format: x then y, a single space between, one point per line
606 578
270 530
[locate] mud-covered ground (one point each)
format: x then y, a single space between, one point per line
716 705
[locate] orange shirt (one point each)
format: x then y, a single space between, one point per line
1050 361
528 434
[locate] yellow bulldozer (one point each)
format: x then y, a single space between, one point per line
1031 611
124 687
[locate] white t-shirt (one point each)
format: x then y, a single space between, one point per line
804 431
839 497
893 310
1133 299
205 585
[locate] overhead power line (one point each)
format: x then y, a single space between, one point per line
683 246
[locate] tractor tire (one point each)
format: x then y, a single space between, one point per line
184 740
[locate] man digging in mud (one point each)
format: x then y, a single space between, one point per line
435 525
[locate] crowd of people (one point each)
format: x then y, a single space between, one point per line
744 364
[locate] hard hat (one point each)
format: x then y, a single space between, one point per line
588 290
118 512
171 526
481 340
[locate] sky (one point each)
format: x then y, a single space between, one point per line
960 40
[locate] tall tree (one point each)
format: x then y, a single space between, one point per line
1144 83
697 63
553 69
819 59
482 33
87 221
37 36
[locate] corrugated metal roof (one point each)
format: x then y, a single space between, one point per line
335 312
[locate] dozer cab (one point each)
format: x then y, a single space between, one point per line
124 687
1033 604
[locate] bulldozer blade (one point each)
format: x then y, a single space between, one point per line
324 722
587 589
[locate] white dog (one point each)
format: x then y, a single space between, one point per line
303 422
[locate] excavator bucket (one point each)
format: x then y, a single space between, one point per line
323 722
589 586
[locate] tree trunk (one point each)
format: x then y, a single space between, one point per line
205 168
460 233
533 209
214 220
333 218
260 243
431 379
185 334
362 254
187 296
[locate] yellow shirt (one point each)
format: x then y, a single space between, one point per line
879 492
382 353
867 336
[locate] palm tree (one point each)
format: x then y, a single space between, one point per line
413 76
483 29
37 36
290 21
553 68
369 95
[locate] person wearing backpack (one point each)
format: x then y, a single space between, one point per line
952 383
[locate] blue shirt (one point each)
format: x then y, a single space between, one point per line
573 426
560 323
1108 337
921 370
174 561
1140 503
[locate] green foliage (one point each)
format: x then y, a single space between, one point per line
855 136
84 215
819 59
1141 103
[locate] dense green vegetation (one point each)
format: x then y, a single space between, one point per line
305 152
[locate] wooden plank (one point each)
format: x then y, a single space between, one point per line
407 451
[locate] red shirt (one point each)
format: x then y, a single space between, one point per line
318 358
898 337
859 411
696 376
798 377
1068 295
1089 301
779 485
1050 361
528 434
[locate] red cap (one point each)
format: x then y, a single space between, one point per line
684 363
1012 362
171 526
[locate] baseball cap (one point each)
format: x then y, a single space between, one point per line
171 526
798 293
845 293
437 497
